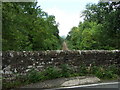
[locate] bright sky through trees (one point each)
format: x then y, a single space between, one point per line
67 12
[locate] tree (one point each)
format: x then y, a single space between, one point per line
26 27
100 29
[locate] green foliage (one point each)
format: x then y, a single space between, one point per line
82 70
100 29
52 73
26 27
105 72
65 70
11 85
33 76
115 69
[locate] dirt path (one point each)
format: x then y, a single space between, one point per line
64 46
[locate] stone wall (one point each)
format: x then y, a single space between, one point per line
22 62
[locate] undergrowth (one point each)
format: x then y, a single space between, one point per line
33 76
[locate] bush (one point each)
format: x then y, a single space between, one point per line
82 70
65 70
33 76
51 73
104 72
114 68
7 85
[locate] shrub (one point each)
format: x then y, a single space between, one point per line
104 72
82 70
33 76
114 68
7 85
51 73
99 72
65 70
111 72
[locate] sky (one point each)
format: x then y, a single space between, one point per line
67 12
